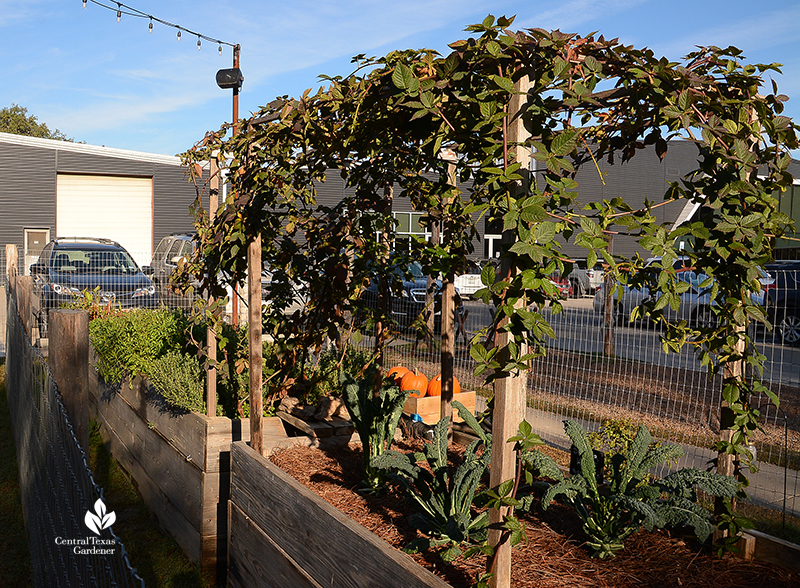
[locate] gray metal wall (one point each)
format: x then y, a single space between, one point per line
28 189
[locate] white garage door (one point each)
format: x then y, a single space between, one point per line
109 207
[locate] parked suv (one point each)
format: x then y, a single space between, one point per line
68 266
406 307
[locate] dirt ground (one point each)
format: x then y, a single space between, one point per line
554 554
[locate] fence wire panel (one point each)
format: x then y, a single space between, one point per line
56 484
671 393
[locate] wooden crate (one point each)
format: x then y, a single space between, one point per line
429 407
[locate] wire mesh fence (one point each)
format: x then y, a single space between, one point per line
587 375
69 535
590 375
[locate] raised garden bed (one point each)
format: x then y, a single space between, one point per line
179 462
553 556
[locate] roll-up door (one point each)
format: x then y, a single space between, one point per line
111 207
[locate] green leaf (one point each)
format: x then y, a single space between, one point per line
403 78
503 83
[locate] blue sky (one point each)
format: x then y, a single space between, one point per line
114 84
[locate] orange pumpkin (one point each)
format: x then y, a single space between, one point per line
435 386
397 373
416 382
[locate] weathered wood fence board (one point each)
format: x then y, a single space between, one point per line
266 563
180 462
327 545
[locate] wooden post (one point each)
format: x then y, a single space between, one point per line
383 286
23 287
68 357
256 350
448 309
11 264
726 462
509 390
211 336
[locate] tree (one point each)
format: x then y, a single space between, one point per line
15 119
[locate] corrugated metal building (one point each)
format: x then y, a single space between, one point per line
54 189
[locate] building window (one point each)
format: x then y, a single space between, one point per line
409 224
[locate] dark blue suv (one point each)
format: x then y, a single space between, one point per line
68 266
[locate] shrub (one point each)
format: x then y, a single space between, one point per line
127 342
180 380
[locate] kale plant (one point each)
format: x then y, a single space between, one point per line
375 416
445 500
633 500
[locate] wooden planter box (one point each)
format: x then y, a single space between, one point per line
429 407
180 463
282 534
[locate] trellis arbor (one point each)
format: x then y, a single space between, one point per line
571 100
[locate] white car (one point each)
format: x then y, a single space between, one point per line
469 282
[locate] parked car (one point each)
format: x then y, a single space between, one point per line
585 279
274 283
169 252
406 307
695 307
783 301
470 281
563 284
68 266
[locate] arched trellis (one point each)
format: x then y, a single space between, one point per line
579 100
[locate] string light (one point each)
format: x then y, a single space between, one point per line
121 9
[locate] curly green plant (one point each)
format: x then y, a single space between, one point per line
612 515
445 500
179 378
375 415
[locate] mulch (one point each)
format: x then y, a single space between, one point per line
554 554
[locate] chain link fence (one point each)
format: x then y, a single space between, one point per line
60 498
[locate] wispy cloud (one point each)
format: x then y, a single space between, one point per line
571 15
755 30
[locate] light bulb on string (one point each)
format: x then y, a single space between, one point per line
198 43
84 4
151 27
179 35
220 48
119 12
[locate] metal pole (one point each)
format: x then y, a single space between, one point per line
235 298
